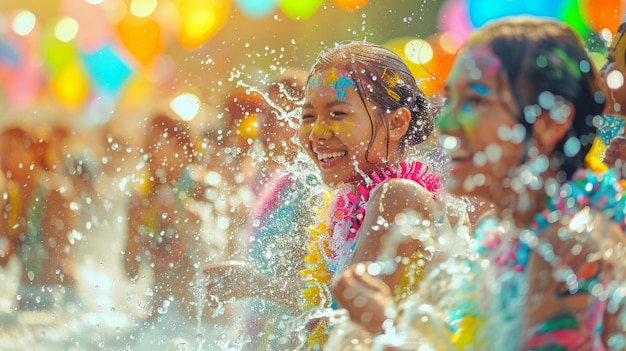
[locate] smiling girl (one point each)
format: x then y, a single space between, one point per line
362 112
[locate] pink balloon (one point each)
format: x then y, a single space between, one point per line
93 22
454 17
22 81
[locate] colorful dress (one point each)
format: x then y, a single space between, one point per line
277 231
335 236
610 127
493 321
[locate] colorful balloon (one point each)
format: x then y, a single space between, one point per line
454 18
300 9
142 38
107 69
201 20
351 5
257 8
57 54
94 23
571 14
483 11
600 15
70 86
429 60
21 76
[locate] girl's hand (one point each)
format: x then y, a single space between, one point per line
616 153
366 297
229 280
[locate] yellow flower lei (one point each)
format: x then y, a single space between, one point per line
316 275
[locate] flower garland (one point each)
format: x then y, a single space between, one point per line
334 236
599 191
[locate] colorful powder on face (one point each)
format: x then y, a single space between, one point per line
327 129
337 81
481 89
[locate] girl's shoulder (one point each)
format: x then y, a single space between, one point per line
397 195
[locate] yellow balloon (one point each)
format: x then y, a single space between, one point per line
70 85
201 20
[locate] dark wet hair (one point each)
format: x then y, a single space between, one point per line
543 55
383 79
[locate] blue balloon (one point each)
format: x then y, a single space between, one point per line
483 11
257 8
108 71
9 54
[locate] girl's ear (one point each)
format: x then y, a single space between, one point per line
551 125
399 123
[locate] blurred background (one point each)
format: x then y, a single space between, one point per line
96 71
90 62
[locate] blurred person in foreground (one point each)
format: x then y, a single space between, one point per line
545 270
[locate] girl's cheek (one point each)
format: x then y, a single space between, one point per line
342 127
446 122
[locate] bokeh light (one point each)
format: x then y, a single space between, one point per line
24 22
186 106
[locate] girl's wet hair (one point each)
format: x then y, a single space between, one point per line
385 81
542 55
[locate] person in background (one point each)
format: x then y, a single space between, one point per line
277 224
37 220
162 230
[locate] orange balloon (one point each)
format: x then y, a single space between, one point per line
70 85
201 20
604 14
141 37
444 49
429 60
351 5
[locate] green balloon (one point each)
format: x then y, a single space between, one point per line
570 14
57 54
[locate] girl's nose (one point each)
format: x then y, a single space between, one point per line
320 131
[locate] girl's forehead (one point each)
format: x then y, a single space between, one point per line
339 80
481 61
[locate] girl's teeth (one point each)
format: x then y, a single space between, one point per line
330 155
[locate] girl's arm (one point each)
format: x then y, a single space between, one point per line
392 198
367 297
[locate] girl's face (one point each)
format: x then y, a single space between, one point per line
613 74
336 129
477 125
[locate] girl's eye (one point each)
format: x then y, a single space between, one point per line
307 116
475 101
336 113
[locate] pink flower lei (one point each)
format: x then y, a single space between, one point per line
346 215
